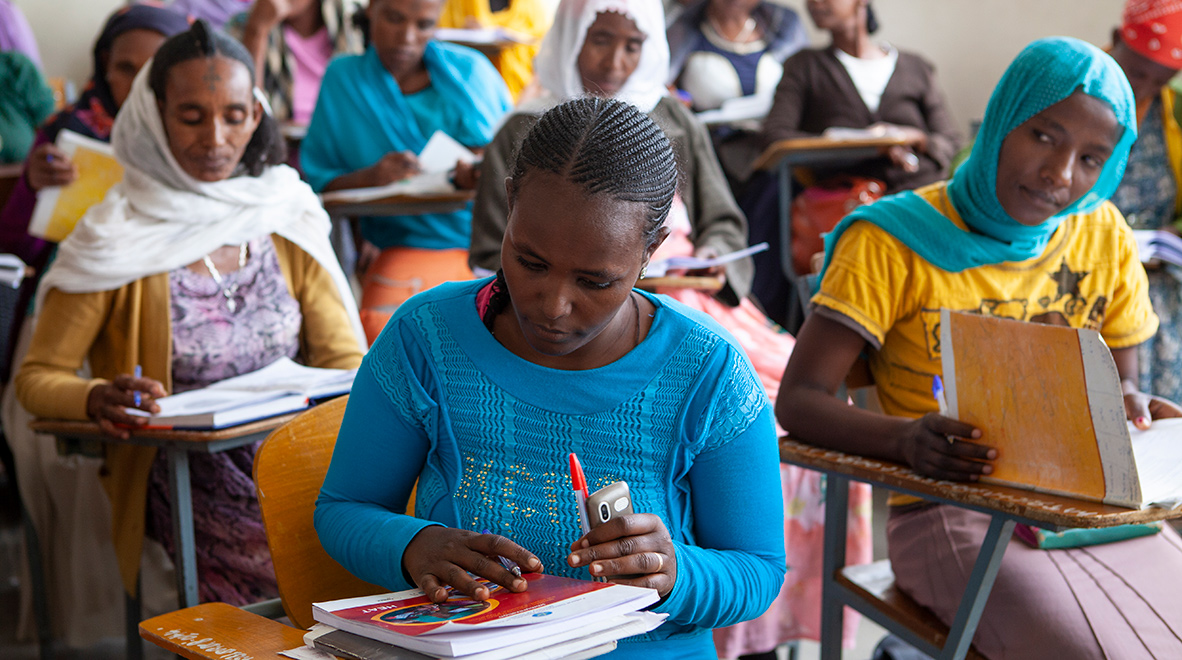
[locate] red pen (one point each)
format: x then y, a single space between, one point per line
578 484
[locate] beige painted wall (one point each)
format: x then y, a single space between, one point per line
65 31
970 41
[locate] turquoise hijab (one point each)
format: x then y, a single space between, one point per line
1044 73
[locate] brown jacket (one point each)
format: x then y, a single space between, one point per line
118 329
816 93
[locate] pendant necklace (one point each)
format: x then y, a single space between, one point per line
227 291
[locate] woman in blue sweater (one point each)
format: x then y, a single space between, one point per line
480 390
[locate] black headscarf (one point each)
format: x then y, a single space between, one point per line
94 112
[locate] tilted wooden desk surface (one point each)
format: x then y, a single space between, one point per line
1007 506
220 632
402 205
812 149
704 283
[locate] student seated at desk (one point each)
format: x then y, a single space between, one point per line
292 43
530 19
618 50
1022 230
563 344
27 101
207 261
859 83
375 113
127 41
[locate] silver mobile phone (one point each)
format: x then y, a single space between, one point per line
611 501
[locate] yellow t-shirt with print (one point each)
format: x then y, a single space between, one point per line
1089 276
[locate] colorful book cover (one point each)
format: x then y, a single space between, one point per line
59 208
550 605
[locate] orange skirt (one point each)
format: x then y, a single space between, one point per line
399 273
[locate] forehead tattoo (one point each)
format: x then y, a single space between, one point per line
211 77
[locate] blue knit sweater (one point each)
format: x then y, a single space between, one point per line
682 418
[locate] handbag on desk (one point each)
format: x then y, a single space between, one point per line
818 209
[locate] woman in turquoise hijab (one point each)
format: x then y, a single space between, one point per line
1023 230
375 113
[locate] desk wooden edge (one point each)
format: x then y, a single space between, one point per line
710 284
90 430
771 157
221 632
458 197
1047 509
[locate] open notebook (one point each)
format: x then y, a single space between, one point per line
281 387
1049 399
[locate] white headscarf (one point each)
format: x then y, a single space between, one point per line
557 68
159 218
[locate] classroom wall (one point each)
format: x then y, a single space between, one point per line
970 41
65 31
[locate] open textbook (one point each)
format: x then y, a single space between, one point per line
280 387
437 158
550 609
59 208
1049 399
1158 245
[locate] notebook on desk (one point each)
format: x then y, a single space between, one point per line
279 388
59 208
1048 398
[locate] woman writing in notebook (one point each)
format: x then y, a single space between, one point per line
376 111
480 390
1022 230
209 260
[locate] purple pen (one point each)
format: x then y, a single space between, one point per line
509 564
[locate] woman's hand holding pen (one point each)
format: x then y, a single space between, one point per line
930 446
107 403
49 166
438 557
394 166
633 549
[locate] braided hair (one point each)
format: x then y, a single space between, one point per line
202 41
604 146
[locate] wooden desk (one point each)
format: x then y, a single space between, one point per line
784 155
177 445
402 205
683 282
218 631
1006 505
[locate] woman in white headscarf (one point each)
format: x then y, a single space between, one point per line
209 260
617 48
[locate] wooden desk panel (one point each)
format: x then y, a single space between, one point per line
218 631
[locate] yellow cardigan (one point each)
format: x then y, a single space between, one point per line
527 18
131 325
1173 139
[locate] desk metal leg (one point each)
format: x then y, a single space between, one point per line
184 553
837 497
976 593
794 316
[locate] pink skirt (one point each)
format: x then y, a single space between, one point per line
1117 600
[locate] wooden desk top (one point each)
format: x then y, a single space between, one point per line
90 431
1047 510
772 156
681 282
11 170
219 631
402 204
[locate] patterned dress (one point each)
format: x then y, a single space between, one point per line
1146 197
211 343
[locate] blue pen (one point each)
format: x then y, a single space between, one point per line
941 401
139 373
509 564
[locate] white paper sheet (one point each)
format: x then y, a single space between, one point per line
660 267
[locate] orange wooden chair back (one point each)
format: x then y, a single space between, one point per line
289 469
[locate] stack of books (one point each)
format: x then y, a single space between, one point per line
1158 245
556 617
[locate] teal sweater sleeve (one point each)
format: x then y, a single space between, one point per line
736 566
362 522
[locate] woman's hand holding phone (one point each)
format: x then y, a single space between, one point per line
633 549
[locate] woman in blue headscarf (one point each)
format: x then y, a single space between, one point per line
1023 230
375 113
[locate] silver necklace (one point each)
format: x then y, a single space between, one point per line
227 291
741 37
